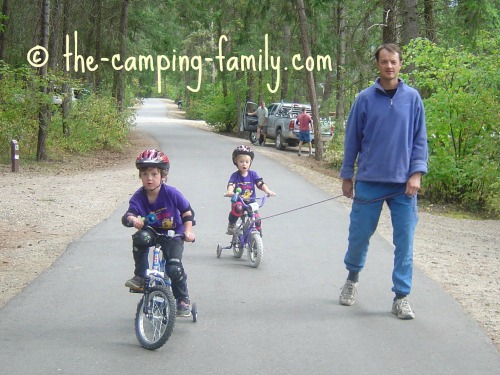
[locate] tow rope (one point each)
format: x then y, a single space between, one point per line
338 196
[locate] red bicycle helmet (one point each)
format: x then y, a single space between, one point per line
152 158
242 150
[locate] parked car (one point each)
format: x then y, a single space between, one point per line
80 93
75 94
281 124
58 96
57 99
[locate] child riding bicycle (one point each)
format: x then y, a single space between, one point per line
172 212
245 179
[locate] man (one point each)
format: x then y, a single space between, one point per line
386 133
304 121
262 117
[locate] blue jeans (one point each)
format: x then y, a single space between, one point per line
364 220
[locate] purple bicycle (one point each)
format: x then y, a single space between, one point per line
247 236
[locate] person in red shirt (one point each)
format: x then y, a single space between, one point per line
304 121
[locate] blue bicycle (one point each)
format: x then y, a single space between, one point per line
156 311
246 236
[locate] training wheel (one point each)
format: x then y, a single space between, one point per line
219 250
194 312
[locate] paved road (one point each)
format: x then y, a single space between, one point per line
282 318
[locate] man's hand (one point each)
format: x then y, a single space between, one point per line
413 184
347 187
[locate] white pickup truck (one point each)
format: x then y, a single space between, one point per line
281 124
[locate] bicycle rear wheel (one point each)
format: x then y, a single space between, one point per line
155 318
255 249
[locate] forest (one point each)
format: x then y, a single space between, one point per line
71 71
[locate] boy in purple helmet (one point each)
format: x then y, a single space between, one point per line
245 179
172 211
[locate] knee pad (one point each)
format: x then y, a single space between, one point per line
258 222
143 238
174 270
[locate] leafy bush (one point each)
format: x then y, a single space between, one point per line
460 90
94 125
217 110
94 122
19 101
334 150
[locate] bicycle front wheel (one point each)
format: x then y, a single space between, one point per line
238 248
155 318
255 249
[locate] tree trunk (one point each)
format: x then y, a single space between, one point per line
410 28
119 79
55 36
341 60
430 21
5 12
311 86
327 88
44 111
328 85
286 57
187 82
239 103
410 21
227 48
67 99
98 42
390 21
260 97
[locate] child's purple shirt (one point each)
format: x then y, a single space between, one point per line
246 184
168 207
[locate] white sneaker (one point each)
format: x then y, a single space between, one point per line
231 229
348 293
402 308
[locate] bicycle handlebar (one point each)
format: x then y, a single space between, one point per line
170 233
151 219
237 197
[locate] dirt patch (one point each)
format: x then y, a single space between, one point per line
41 207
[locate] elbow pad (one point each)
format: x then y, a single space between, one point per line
188 217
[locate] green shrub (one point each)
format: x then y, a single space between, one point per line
19 102
334 150
460 90
218 111
94 122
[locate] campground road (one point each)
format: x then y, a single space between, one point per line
281 318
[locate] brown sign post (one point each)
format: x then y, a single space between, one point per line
14 152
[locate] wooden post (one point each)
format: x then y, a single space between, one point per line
14 152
